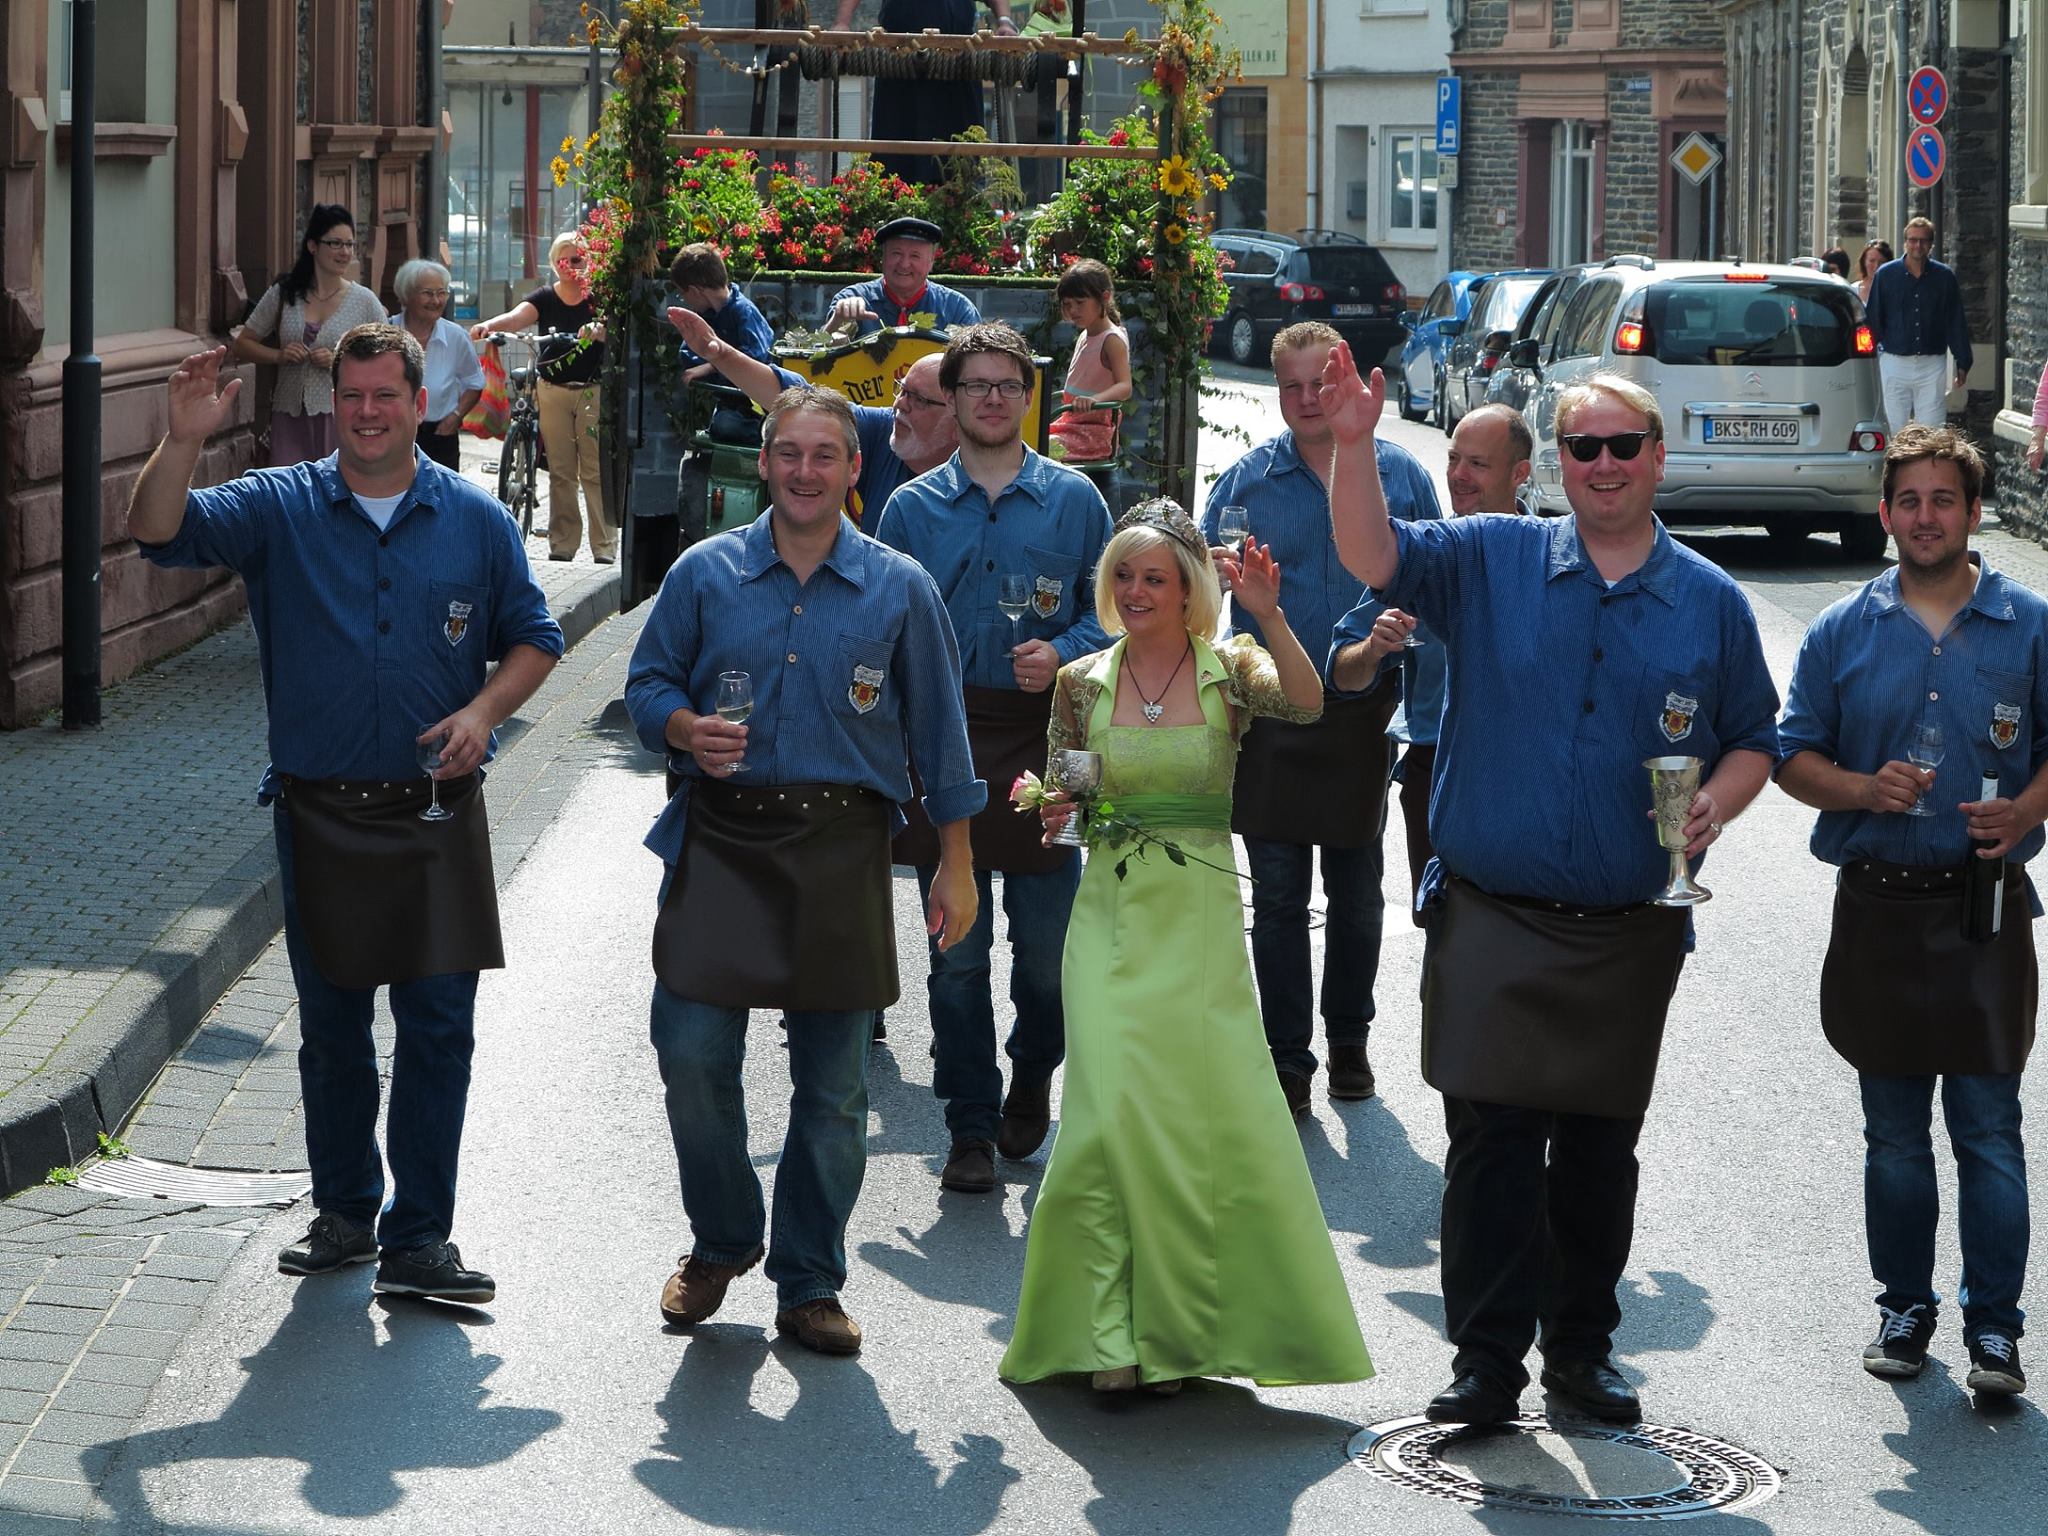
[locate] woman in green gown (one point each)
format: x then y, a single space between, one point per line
1177 1232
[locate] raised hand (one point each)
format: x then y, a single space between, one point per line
1255 580
694 328
198 407
1351 404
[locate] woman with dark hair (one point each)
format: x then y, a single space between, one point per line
303 315
1875 255
1836 260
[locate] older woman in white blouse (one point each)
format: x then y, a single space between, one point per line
455 378
296 326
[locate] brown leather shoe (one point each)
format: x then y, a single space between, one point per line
970 1167
821 1325
1295 1088
1350 1073
697 1289
1027 1116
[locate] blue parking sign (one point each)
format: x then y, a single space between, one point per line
1447 114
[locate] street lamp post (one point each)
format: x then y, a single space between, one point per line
81 543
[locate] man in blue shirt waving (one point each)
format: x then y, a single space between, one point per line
777 848
380 586
997 514
1582 648
1943 641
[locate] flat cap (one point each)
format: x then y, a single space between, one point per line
909 229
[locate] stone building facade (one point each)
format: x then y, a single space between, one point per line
220 122
1572 111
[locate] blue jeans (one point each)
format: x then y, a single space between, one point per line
700 1047
1901 1204
965 1074
1356 910
436 1033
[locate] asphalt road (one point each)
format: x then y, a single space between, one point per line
567 1407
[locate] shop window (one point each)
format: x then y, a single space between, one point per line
1411 183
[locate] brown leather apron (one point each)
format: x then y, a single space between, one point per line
384 897
781 899
1547 1006
1006 732
1324 783
1904 994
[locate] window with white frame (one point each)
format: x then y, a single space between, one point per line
1411 183
1571 192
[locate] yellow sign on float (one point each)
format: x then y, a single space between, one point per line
868 369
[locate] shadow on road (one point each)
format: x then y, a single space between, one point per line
835 1464
1380 1187
356 1408
1214 1458
1960 1464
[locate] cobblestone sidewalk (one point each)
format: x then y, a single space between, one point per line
96 1290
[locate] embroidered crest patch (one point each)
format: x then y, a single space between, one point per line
865 692
457 624
1045 598
2005 725
1675 721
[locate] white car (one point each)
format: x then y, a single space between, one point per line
1767 376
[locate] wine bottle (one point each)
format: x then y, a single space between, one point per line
1983 883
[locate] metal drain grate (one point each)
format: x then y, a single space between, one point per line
1675 1474
144 1178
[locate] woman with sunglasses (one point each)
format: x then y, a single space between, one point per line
305 314
571 355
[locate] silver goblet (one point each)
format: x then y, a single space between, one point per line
1078 775
1674 782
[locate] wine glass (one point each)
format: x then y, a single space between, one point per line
1013 596
1412 641
735 705
1926 750
1233 524
428 745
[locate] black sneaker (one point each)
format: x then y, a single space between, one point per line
1995 1366
434 1270
1900 1349
332 1242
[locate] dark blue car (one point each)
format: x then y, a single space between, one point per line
1418 385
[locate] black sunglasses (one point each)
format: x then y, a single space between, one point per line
1586 446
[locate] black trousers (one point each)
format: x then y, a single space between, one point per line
1539 1210
441 447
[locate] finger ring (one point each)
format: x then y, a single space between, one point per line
1713 826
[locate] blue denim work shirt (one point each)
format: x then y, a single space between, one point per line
1049 524
1290 510
1424 670
364 637
848 667
1919 316
949 308
740 325
880 470
1868 672
1563 687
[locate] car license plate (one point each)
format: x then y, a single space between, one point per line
1350 309
1752 429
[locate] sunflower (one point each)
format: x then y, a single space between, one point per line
1175 234
1175 179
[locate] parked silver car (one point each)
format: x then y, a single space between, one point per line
1767 376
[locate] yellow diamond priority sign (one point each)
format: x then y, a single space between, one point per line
1695 158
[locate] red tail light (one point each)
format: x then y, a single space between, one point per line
1294 293
1394 294
1745 277
1866 341
1866 442
1628 336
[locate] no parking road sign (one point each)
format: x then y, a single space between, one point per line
1926 156
1927 95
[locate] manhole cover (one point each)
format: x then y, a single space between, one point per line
144 1178
1568 1467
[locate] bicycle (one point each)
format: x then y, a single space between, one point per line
519 462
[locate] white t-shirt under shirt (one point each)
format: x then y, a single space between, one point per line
381 508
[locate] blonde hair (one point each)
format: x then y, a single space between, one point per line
1197 574
1588 391
561 242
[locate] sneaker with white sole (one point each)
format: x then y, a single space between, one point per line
1899 1352
1995 1366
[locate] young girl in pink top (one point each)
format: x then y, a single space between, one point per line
1100 373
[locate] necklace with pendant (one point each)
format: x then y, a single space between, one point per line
1154 708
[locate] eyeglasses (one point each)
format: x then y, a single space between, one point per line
430 293
339 245
912 397
1586 446
977 389
573 262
